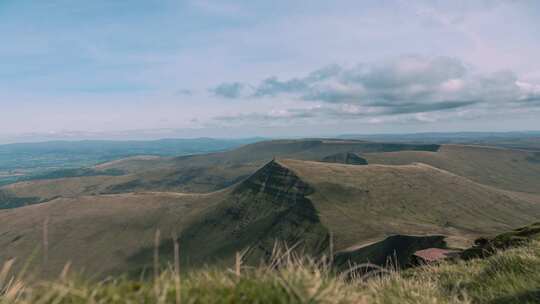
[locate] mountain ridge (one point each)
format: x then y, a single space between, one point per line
297 202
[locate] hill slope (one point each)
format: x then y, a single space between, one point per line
508 169
290 200
511 170
509 276
194 173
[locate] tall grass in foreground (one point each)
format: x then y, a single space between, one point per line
511 276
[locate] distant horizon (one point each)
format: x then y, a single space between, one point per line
36 138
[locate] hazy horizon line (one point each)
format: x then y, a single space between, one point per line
132 136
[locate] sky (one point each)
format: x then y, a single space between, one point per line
73 69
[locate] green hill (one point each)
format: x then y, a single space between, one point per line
193 173
299 202
512 170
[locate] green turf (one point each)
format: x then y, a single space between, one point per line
511 276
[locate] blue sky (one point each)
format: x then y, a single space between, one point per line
144 69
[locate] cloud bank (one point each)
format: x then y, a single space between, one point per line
413 85
228 90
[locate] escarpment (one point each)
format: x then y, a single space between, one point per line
347 158
269 206
276 181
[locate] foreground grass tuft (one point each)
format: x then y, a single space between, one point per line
512 276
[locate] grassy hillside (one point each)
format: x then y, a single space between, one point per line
513 170
194 173
512 276
204 173
371 202
96 233
53 159
298 202
59 154
513 140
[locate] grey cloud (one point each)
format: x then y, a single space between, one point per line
531 101
273 86
287 115
408 84
411 78
324 73
184 92
229 90
405 71
348 111
411 88
425 108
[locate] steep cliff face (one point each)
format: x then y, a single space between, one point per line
269 206
277 182
395 250
347 158
9 200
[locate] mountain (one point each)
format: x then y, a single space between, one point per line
524 140
193 173
54 159
299 202
508 169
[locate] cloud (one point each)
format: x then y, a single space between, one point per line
228 90
272 86
319 115
531 93
184 92
404 85
408 89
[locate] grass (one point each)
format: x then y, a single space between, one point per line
518 237
198 173
287 200
506 169
510 276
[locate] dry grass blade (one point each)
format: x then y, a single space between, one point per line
278 256
239 261
177 269
65 271
13 291
237 264
370 270
45 242
5 272
156 261
331 247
